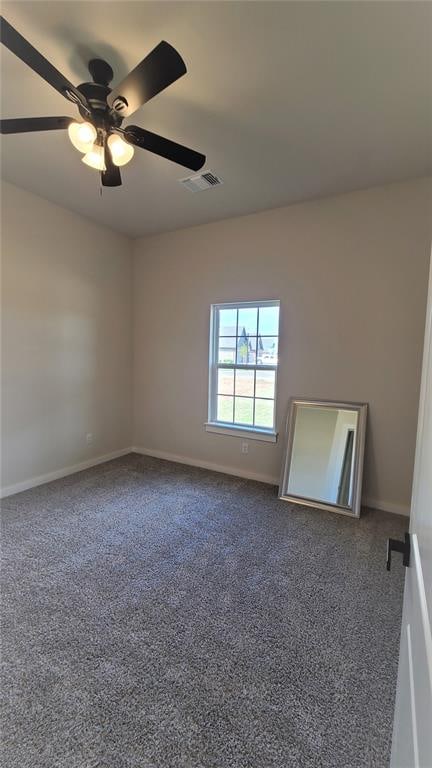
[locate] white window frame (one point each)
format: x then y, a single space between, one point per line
227 428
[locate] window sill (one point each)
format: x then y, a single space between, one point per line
252 433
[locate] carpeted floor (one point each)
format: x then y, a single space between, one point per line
160 616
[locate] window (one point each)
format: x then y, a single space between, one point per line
243 367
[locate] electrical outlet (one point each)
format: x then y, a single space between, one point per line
89 438
245 447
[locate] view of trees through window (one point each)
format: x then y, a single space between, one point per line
246 359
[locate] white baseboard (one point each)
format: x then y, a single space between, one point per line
32 482
244 473
397 509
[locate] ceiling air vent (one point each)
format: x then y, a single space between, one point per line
201 181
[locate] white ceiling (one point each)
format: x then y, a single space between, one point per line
289 100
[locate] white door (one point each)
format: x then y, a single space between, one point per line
412 731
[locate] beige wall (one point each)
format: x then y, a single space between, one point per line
351 274
66 338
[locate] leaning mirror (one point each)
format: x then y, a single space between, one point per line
323 461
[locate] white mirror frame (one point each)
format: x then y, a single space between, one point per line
361 410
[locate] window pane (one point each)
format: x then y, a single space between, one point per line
227 349
243 410
228 322
226 382
267 350
225 408
269 321
244 383
246 346
247 321
252 350
265 384
264 413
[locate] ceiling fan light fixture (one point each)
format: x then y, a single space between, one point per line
95 158
121 151
82 136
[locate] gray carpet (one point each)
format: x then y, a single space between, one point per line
160 616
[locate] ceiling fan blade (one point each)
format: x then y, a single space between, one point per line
164 147
30 124
112 176
160 68
18 45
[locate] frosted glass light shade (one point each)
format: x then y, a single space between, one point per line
82 136
121 151
95 158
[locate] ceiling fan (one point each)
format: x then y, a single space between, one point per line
99 136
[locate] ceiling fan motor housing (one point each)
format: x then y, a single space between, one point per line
96 93
101 113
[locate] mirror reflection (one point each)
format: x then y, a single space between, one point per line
322 460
